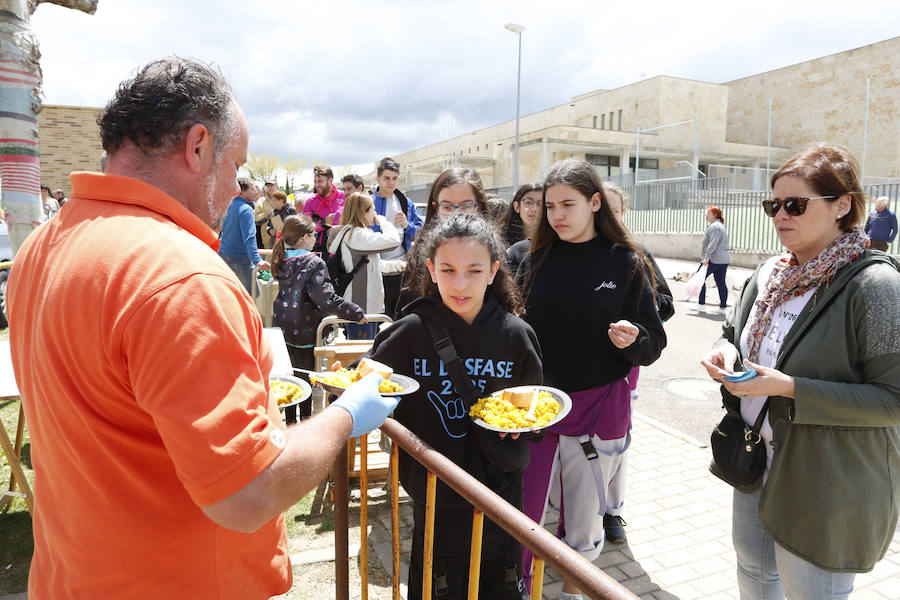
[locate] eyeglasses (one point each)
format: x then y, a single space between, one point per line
530 203
793 205
391 166
446 208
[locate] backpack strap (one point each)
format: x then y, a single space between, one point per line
404 203
446 351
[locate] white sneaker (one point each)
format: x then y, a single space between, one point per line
568 596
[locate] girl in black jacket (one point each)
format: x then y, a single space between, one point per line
585 272
305 296
470 294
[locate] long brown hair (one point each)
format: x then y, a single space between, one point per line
473 227
582 176
295 227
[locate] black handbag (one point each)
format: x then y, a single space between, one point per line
739 453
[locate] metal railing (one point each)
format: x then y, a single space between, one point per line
546 548
678 207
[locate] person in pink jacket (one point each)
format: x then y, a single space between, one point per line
325 206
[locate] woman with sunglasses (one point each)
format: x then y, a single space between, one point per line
715 256
820 326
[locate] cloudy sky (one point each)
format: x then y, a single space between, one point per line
349 82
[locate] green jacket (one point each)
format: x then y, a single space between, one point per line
834 485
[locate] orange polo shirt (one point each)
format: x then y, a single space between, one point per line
143 370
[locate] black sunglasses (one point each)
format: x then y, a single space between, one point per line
793 205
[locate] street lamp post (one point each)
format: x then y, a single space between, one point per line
517 29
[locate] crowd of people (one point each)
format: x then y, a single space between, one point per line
166 393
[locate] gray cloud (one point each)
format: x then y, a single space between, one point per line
349 82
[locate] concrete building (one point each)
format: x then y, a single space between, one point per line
690 126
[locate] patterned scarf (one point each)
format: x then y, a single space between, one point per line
790 279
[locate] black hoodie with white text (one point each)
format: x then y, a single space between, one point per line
498 350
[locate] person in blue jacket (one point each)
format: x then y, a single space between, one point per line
237 242
398 210
881 226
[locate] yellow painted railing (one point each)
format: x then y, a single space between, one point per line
593 582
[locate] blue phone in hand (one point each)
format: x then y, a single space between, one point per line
742 376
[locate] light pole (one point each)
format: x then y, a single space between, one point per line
517 29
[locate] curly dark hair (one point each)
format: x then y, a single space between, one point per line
166 98
474 227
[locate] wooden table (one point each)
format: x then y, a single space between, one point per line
13 451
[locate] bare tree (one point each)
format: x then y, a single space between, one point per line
293 169
20 167
262 167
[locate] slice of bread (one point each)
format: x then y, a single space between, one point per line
520 396
367 365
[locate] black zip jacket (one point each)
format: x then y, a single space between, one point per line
576 294
498 350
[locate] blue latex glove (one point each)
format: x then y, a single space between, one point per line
367 407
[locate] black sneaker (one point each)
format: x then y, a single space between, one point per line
614 526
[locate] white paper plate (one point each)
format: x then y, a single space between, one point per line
565 405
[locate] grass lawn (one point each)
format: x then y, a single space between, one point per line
16 541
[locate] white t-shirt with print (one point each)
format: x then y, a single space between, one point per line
391 208
783 318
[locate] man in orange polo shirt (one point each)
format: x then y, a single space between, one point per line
162 469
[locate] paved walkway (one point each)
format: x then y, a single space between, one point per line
679 528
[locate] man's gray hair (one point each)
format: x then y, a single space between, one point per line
155 109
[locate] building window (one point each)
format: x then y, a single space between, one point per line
620 119
603 121
607 166
595 121
611 126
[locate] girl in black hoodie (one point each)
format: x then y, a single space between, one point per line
469 293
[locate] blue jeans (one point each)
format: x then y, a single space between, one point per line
766 570
717 270
243 269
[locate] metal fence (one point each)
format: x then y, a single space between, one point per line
485 503
679 207
743 178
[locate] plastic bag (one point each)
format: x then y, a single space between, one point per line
692 288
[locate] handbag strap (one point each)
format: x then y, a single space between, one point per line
446 351
362 261
762 416
758 424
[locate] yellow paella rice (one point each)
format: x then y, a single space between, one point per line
497 412
342 378
285 392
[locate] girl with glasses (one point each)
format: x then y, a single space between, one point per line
523 213
820 326
455 191
585 271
